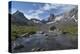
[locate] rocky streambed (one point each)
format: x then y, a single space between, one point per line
44 42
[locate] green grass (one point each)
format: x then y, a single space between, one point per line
70 29
16 31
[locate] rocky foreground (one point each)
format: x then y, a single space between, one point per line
43 41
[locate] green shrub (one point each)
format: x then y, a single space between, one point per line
52 28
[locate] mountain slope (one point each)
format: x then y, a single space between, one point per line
68 22
19 18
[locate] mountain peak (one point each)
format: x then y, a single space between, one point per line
18 13
19 18
51 17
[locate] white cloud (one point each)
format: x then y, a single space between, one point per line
30 11
34 14
46 7
13 10
56 6
49 6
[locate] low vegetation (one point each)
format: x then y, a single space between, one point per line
52 28
16 30
70 29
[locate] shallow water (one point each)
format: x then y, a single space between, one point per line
41 42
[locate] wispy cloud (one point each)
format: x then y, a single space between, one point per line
38 10
32 16
34 13
49 6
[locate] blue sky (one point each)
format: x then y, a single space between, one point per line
39 10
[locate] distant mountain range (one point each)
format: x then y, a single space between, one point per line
19 19
67 20
68 17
